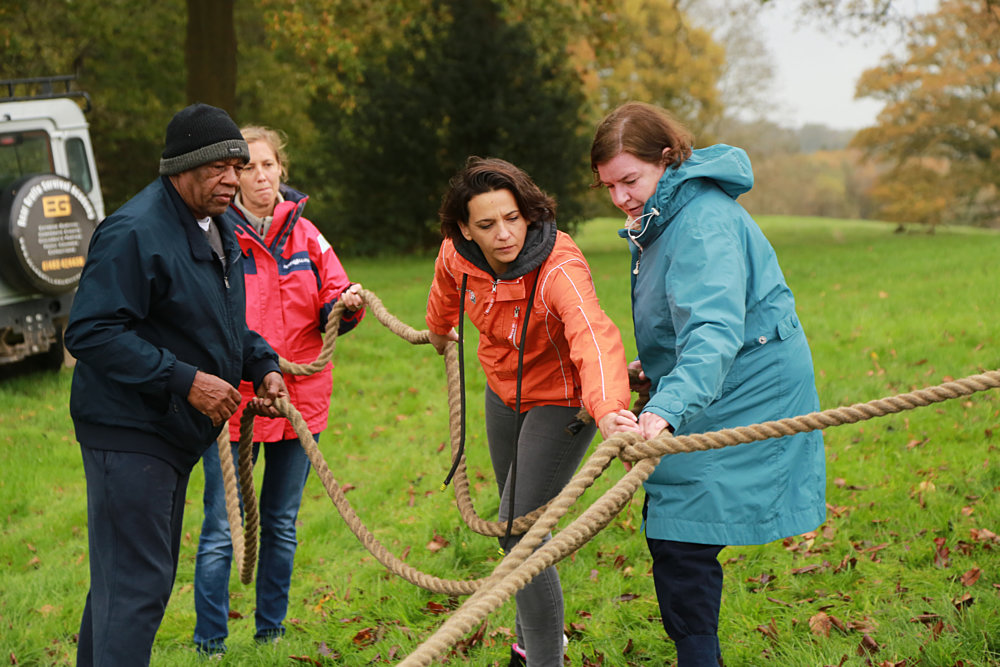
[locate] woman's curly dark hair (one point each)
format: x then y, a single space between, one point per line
481 175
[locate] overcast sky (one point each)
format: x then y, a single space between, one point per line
816 73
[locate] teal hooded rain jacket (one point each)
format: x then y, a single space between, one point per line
717 334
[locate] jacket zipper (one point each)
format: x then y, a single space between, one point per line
635 269
513 327
493 298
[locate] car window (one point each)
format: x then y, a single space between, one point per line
23 154
79 168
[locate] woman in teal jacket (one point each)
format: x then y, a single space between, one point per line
721 346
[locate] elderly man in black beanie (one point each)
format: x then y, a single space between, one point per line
159 332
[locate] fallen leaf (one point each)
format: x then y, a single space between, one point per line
365 637
770 630
984 535
435 607
971 577
627 597
962 602
848 562
864 626
437 543
868 645
941 553
819 624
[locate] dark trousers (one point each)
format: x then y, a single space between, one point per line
135 506
688 581
548 456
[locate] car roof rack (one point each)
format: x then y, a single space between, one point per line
46 87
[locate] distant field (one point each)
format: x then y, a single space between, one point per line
905 571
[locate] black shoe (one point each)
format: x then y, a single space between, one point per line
518 658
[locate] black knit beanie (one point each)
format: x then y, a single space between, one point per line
199 134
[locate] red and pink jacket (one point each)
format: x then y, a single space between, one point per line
293 278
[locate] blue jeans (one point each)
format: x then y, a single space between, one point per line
286 468
135 509
547 457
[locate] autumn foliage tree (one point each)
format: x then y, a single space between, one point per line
940 129
381 101
459 79
659 56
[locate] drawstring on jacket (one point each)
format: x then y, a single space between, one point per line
641 223
517 401
517 412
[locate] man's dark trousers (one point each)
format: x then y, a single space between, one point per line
135 508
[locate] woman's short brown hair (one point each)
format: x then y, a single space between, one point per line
480 175
642 130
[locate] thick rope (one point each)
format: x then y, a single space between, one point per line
232 499
460 482
245 537
488 598
244 552
530 556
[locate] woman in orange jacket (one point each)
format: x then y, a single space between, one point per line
547 350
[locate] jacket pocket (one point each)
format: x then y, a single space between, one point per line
156 405
789 327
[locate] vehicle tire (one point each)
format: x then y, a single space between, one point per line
48 221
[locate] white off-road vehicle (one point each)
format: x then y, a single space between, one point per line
50 204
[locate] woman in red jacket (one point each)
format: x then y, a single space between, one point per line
293 279
547 350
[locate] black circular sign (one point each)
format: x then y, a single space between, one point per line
49 224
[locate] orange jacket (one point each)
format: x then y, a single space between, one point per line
573 352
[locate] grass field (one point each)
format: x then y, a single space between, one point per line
905 570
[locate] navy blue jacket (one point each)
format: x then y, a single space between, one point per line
153 306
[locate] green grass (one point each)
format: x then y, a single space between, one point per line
885 313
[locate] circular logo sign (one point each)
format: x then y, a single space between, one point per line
51 221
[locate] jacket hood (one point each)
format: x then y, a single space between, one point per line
726 167
538 243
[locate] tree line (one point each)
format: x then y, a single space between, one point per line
382 102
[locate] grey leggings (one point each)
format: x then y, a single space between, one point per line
547 457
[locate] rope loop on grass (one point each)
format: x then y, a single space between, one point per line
530 556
